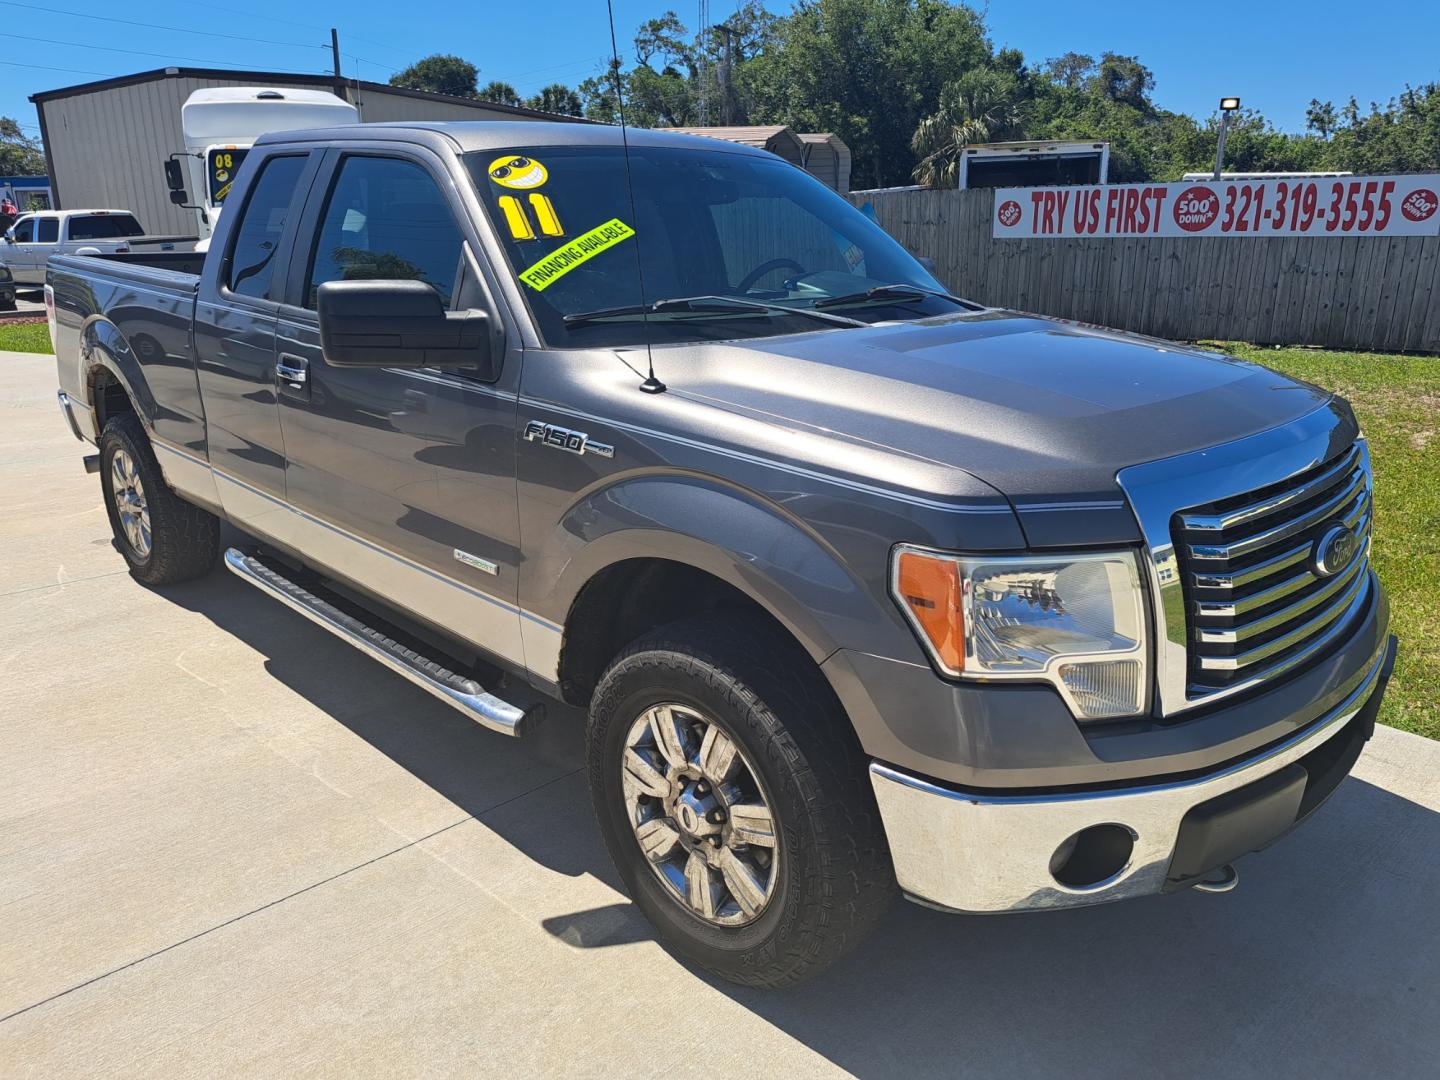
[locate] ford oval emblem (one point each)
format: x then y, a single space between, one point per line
1333 551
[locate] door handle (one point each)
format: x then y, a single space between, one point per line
293 369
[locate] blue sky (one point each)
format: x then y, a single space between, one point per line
1275 55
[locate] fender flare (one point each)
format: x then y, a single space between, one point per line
103 346
748 542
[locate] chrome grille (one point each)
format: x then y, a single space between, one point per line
1255 606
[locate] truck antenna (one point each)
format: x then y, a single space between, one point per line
651 385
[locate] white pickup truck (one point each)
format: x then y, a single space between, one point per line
29 243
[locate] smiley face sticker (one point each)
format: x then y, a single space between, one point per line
518 172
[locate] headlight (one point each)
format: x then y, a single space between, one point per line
1075 621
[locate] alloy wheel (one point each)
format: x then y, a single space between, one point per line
700 815
130 503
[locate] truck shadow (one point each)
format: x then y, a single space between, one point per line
478 770
1325 961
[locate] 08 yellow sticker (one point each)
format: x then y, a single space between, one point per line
562 260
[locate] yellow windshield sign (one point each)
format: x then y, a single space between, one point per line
562 260
221 164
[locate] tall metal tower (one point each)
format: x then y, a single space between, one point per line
704 88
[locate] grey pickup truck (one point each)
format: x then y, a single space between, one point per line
866 589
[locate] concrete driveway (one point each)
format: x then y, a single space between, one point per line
229 845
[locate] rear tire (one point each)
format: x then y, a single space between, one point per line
822 879
164 538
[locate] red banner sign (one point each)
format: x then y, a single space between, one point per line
1339 206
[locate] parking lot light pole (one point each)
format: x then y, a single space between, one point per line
1227 106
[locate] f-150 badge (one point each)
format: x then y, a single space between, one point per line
576 442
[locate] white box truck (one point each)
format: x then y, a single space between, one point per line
220 126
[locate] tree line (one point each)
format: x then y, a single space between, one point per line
908 83
20 155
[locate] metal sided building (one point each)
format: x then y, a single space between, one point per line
106 142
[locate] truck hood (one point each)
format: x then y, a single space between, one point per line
1045 411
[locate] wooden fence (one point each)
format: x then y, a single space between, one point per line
1352 292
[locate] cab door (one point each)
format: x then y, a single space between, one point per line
47 242
234 342
405 478
20 251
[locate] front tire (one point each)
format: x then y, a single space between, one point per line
164 538
735 802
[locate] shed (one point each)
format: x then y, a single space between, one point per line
106 141
821 154
827 158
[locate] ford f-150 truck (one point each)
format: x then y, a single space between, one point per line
867 589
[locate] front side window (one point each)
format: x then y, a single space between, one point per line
104 227
47 230
25 230
688 225
262 225
386 219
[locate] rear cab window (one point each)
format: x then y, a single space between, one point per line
250 268
104 227
47 230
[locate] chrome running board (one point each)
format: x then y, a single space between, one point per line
455 690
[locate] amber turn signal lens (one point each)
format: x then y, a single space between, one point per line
930 588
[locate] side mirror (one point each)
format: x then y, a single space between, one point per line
178 196
174 177
928 263
398 324
10 236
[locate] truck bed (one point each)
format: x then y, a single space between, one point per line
185 262
136 311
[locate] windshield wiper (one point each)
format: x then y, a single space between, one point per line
899 291
711 304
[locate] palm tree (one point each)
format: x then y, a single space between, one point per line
982 105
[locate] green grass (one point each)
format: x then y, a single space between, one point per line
1397 399
24 337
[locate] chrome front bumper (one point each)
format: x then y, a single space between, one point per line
970 851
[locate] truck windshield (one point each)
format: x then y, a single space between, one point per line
704 225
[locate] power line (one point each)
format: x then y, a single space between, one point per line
157 26
373 63
231 10
47 67
555 67
132 52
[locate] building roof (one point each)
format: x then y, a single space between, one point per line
758 135
291 78
768 137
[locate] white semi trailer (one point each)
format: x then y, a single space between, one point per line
222 123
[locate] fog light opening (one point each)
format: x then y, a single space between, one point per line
1092 856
